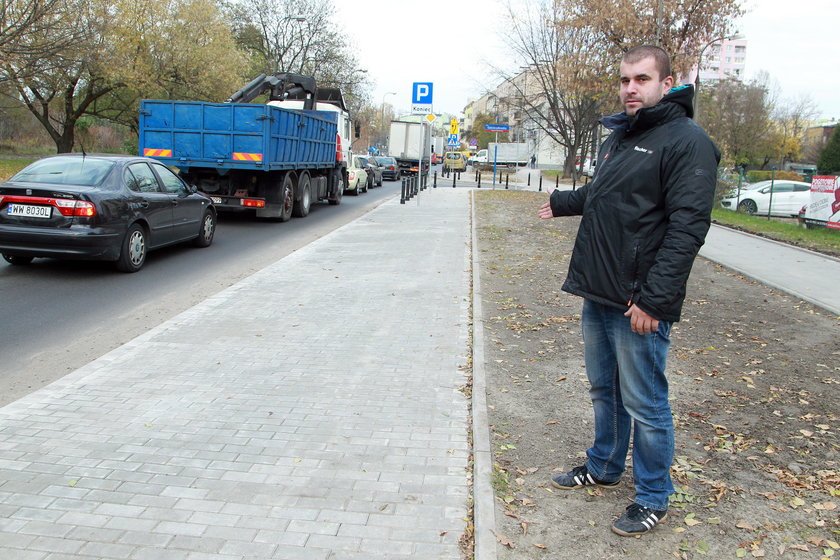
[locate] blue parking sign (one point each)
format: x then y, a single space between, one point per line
421 93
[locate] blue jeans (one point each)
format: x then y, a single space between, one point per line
628 386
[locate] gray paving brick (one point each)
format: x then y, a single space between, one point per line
18 554
298 443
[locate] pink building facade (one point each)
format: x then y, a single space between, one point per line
724 59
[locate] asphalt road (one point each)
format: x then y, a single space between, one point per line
59 315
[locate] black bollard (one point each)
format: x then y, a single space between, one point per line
453 180
529 178
434 180
402 191
478 179
556 180
507 180
540 183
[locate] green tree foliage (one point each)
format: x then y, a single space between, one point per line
829 161
737 117
126 50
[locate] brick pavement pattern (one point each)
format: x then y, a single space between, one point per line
311 411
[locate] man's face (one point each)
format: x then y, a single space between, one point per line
641 85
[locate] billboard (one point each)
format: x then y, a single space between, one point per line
825 201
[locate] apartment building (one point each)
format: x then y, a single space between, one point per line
724 59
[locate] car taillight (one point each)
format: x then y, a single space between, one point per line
80 208
253 203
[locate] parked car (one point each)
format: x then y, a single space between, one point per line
357 176
455 161
390 168
373 170
788 198
588 169
100 207
436 159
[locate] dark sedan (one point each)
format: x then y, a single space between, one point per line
390 168
373 170
100 207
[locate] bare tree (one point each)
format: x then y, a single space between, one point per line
33 32
561 90
300 36
682 27
571 50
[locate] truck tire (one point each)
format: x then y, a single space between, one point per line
287 198
338 187
304 201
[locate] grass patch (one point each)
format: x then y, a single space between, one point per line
9 167
823 240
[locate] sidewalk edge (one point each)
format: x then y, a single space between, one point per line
483 496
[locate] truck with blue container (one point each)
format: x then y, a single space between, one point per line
275 158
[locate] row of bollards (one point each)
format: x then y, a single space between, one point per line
411 186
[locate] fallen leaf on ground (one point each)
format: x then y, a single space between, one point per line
742 524
503 540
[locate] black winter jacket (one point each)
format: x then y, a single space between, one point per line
646 213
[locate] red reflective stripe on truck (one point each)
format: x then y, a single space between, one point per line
154 152
243 156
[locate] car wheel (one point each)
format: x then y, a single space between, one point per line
17 260
207 230
287 198
302 205
748 207
134 247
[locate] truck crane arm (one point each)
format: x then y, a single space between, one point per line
280 86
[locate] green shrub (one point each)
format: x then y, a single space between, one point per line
757 175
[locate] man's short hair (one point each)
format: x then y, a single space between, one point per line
637 54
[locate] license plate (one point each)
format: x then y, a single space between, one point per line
29 211
216 199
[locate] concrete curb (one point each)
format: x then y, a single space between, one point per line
483 496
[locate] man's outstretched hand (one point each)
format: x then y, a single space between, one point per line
545 210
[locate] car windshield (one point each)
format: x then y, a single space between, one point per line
65 171
385 160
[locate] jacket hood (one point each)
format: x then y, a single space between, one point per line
676 103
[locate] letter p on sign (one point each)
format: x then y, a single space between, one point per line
422 93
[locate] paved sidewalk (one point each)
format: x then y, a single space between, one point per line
802 273
311 411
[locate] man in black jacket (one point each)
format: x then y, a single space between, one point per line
644 217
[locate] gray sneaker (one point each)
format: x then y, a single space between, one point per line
638 520
579 477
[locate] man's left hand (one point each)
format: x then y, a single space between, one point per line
641 322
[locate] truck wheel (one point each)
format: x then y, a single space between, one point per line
338 187
287 198
301 209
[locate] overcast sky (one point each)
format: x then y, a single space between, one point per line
452 43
